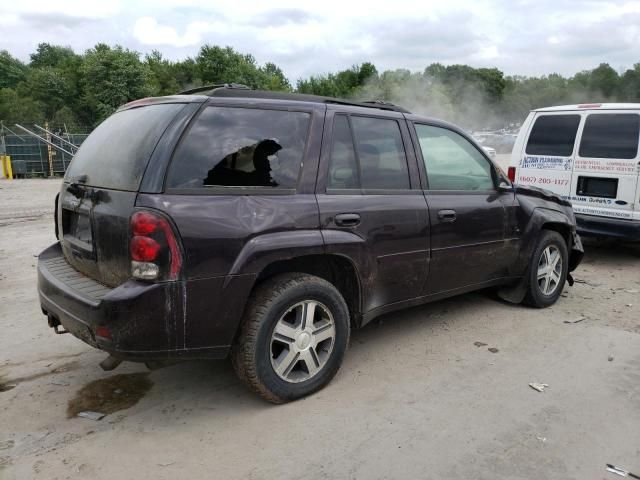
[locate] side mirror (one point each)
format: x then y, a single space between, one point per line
505 186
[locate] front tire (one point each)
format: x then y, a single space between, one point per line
293 337
547 270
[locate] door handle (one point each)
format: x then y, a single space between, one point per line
347 219
447 216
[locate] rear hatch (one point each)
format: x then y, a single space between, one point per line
100 187
607 165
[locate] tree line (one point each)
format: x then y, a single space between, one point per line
61 86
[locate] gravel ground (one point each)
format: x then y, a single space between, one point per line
416 398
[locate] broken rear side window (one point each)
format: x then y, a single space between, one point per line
241 147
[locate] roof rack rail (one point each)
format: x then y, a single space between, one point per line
239 90
370 104
211 88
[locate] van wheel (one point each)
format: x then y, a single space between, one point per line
547 270
293 337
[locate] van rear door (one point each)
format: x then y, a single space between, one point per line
546 160
606 167
100 187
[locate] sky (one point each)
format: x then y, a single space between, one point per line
520 37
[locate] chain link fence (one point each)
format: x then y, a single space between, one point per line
30 156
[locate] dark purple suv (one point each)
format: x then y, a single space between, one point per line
265 226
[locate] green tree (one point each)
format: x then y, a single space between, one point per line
65 117
630 84
110 78
225 65
17 109
47 55
341 84
12 70
50 87
163 79
274 78
604 79
186 74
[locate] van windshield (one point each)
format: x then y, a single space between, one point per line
116 153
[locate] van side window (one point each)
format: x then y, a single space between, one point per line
343 169
377 163
452 162
553 135
241 147
611 135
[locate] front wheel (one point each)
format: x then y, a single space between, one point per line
293 337
548 270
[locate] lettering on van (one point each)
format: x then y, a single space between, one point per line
546 182
601 201
546 163
617 166
573 198
604 213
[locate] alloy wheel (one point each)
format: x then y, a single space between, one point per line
302 341
549 270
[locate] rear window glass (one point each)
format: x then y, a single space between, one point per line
241 147
116 153
553 135
610 136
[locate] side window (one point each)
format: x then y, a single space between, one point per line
553 135
343 171
452 162
377 163
241 147
610 135
383 164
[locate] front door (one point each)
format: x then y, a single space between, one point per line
470 239
371 206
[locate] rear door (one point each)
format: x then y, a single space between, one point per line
100 188
548 157
606 167
473 236
371 206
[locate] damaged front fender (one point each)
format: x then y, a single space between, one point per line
541 217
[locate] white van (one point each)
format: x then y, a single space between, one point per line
589 155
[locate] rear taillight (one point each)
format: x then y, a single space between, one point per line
511 173
153 246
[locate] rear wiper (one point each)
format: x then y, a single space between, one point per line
78 179
74 185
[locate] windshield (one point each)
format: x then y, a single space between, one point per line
116 153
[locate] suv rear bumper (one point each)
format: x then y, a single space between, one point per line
135 321
589 225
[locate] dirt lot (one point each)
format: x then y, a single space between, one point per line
416 398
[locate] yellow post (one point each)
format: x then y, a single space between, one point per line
5 160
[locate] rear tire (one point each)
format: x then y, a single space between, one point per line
293 337
548 270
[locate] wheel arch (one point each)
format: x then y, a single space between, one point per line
338 270
563 229
541 219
